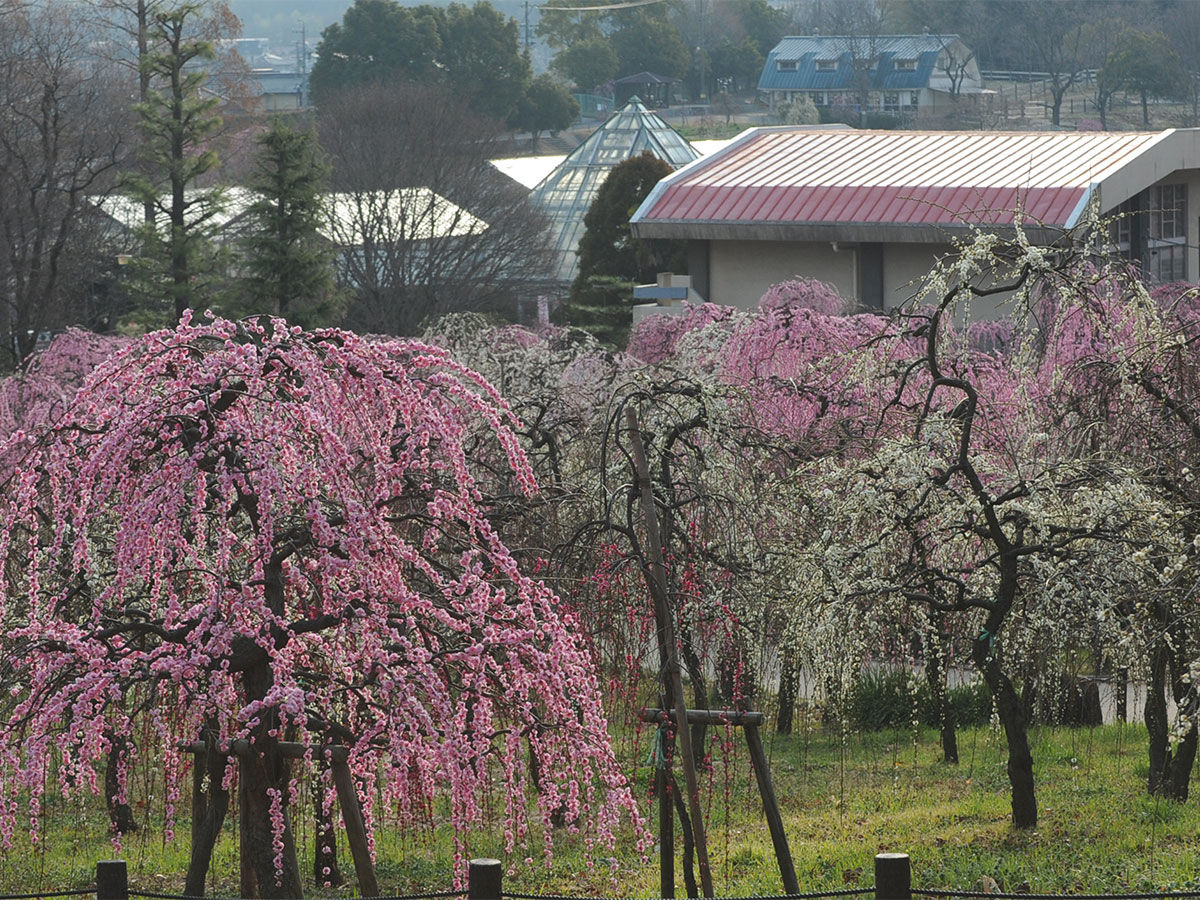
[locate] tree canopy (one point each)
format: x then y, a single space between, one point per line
471 50
240 531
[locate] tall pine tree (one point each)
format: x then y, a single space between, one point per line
178 261
288 264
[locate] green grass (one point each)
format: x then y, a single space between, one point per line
842 802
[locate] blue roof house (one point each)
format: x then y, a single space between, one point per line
916 75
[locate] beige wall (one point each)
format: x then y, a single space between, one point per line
740 272
904 267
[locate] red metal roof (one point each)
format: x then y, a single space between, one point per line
876 177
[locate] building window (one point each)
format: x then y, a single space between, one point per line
1168 212
891 101
1120 230
1166 245
786 65
914 98
819 98
827 65
906 65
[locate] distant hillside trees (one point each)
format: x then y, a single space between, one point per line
471 51
546 106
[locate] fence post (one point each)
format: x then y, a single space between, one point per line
483 879
893 877
112 880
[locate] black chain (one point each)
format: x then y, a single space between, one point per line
816 895
150 895
1165 895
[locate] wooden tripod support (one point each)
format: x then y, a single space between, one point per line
750 723
343 781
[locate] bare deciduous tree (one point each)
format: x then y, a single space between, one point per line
424 223
60 144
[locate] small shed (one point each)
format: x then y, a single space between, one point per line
655 91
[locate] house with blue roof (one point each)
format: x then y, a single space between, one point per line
915 75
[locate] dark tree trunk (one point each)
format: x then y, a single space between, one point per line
265 770
210 803
325 860
1155 714
787 694
1170 770
120 816
984 651
935 674
1181 767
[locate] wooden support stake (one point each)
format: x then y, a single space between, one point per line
356 829
666 834
666 618
287 749
706 716
783 854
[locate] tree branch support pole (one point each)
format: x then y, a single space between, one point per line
787 869
343 781
750 722
356 829
658 568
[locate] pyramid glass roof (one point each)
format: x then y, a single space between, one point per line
566 194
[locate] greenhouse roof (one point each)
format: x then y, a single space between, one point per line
566 194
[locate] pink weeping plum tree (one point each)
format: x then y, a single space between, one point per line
245 532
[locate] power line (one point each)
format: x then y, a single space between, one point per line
630 5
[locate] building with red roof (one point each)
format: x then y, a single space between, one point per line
870 211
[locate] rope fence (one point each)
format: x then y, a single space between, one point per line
893 881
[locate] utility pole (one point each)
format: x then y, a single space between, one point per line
302 50
526 26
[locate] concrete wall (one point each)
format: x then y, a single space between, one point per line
740 272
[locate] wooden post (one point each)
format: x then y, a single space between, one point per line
356 829
666 834
666 619
893 877
112 880
485 879
783 854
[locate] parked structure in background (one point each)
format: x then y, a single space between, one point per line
918 75
655 91
870 211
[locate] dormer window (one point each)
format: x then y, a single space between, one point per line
906 65
827 65
786 65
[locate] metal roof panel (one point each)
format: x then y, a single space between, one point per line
899 177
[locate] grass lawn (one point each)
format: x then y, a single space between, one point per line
843 801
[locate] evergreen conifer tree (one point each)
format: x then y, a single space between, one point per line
179 261
288 264
611 259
